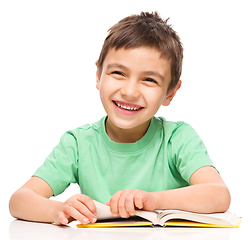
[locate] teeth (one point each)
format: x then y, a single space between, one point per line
127 108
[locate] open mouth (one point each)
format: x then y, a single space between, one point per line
127 107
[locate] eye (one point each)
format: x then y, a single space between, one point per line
118 73
151 80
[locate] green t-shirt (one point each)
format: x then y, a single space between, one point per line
164 158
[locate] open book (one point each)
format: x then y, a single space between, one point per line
172 218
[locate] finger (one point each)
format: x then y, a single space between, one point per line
74 213
122 203
114 203
61 219
138 200
83 209
88 202
129 204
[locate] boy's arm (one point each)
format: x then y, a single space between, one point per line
207 194
31 202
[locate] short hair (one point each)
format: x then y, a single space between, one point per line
150 30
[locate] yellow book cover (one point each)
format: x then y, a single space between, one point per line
167 218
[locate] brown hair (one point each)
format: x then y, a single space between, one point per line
150 30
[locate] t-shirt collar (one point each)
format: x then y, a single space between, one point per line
140 145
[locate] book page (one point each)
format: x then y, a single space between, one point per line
226 218
151 216
103 211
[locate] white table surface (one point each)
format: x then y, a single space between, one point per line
16 229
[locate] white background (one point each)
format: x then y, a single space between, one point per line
48 51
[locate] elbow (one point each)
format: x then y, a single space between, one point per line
227 201
223 199
11 205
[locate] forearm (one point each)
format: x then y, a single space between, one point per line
28 205
200 198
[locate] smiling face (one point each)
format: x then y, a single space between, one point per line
133 85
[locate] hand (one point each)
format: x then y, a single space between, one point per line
125 202
78 207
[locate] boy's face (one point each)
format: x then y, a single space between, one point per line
133 85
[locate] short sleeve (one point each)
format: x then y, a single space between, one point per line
60 168
188 151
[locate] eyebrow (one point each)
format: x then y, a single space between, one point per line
117 65
151 73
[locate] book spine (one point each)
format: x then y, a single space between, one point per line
158 225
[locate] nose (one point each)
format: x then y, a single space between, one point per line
130 90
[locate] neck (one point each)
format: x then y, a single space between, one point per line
131 135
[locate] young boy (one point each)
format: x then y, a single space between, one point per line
129 159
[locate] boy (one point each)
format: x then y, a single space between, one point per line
129 159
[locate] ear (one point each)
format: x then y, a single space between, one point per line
97 76
171 94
